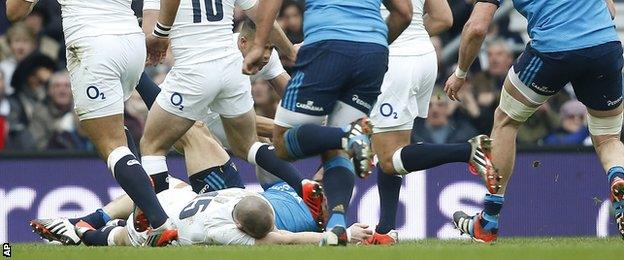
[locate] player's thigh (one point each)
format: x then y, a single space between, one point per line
399 101
425 74
201 151
162 130
215 126
241 133
95 67
599 87
598 84
135 53
367 72
530 82
188 91
320 76
234 98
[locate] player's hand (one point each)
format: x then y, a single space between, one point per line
253 61
359 232
156 49
452 87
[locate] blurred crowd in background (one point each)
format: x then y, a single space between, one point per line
36 107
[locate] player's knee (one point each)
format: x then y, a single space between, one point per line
502 119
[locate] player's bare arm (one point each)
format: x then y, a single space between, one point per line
266 12
279 83
611 6
472 37
149 20
358 232
400 17
438 16
17 10
158 40
277 36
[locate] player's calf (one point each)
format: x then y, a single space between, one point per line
338 183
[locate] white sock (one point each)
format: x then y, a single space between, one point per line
398 163
116 155
253 151
154 164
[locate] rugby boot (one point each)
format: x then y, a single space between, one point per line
480 163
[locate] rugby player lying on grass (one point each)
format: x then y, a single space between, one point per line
291 213
231 216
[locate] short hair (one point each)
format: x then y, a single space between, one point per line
30 65
20 29
255 216
248 29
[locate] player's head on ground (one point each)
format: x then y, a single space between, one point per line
254 216
246 40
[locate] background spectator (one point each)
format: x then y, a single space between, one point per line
30 79
55 115
21 43
291 20
573 129
543 122
440 127
265 98
24 98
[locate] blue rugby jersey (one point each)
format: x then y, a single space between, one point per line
291 213
351 20
564 25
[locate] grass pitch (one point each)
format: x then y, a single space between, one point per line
505 248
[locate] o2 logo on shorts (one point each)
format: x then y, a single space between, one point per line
388 111
94 93
176 100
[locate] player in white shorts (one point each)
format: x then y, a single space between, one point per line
405 94
206 77
105 58
273 72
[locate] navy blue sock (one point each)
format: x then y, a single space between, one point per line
309 140
338 182
266 158
216 178
132 178
97 219
134 148
98 237
389 187
492 207
148 90
421 156
617 171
